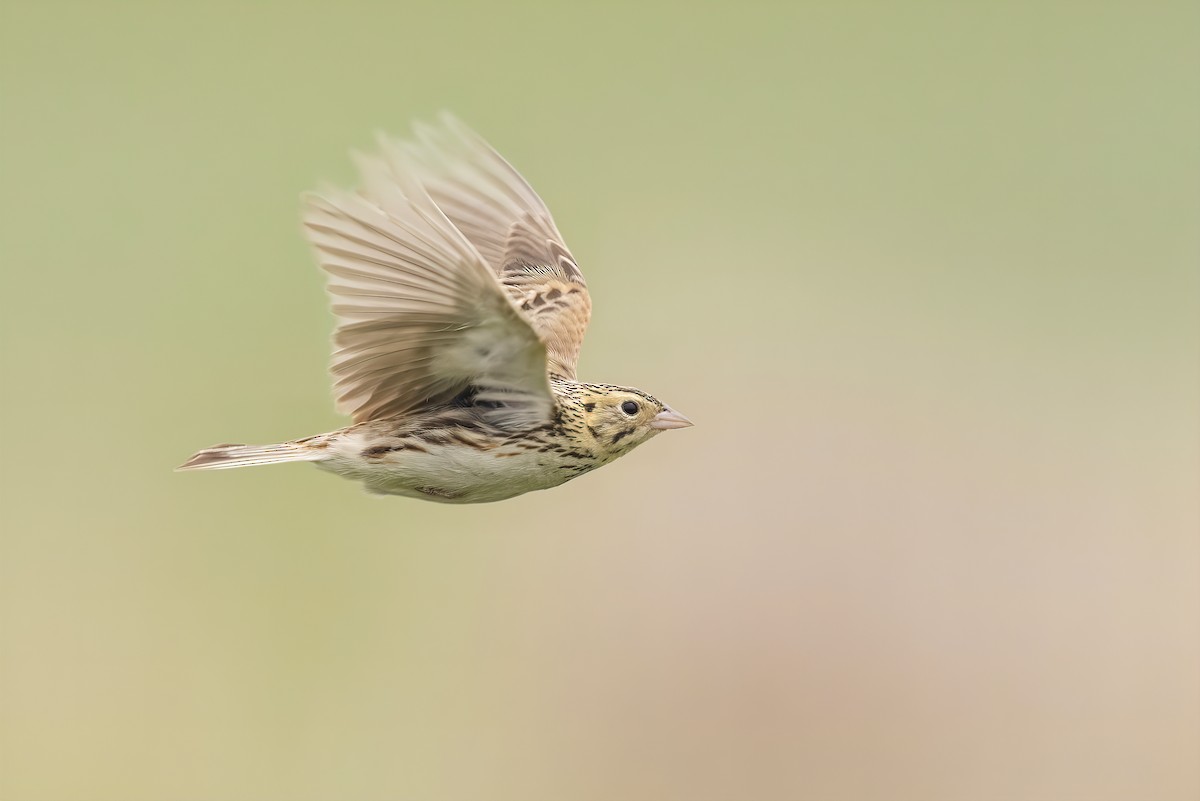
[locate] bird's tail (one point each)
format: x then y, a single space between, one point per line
222 457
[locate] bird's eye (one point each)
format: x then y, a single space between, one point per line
629 407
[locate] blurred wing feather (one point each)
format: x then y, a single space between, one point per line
420 315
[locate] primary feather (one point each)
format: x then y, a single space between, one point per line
420 316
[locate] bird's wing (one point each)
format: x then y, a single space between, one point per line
420 315
510 226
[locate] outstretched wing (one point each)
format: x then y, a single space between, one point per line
510 226
420 314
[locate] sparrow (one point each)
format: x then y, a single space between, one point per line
460 313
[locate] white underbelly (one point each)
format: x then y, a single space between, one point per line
452 473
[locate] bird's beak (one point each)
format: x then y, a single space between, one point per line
669 418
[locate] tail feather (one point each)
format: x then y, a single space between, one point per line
223 457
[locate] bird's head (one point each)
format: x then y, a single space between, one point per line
620 418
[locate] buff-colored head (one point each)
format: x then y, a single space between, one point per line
621 418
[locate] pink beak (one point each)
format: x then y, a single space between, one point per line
669 418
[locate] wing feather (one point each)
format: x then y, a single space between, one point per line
420 314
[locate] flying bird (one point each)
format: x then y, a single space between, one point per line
460 315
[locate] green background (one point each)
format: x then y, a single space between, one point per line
924 275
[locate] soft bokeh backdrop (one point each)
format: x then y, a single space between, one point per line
925 275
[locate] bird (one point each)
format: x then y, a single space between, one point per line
460 314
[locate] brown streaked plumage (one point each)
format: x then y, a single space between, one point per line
460 316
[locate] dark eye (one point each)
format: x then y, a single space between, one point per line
629 407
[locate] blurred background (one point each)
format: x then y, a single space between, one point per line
924 275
